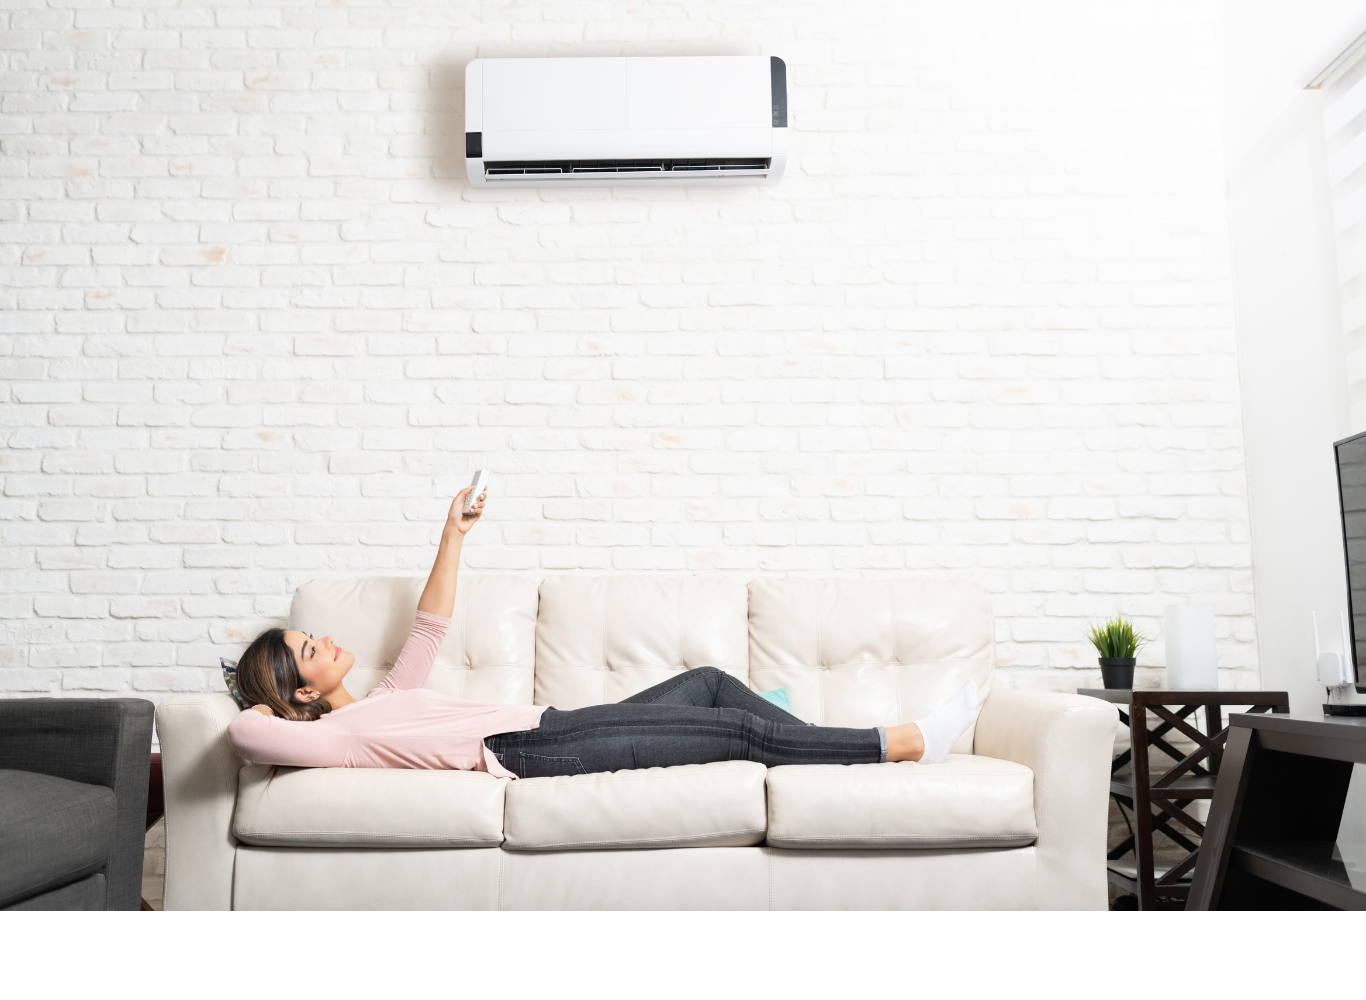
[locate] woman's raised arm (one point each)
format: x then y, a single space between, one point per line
438 597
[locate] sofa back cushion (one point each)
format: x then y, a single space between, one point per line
869 652
601 639
489 653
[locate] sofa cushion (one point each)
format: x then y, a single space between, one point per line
489 652
967 801
693 805
90 893
602 639
367 807
52 832
870 652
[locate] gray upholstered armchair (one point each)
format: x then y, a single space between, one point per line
73 801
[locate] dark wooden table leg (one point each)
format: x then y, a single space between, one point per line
1217 843
1143 810
1214 721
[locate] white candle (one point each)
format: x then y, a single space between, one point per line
1191 657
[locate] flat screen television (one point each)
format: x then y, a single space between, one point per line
1351 459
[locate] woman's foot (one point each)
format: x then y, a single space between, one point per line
928 740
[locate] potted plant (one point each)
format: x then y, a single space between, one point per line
1117 643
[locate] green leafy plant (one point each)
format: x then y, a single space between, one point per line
1116 639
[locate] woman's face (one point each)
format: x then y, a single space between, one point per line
322 663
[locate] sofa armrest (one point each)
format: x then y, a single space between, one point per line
199 774
96 741
1067 741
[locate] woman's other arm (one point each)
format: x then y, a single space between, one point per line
415 661
258 736
438 597
437 602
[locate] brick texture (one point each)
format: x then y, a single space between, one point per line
255 328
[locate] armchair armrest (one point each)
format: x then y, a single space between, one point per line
1067 740
199 773
96 741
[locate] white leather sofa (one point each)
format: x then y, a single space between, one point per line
1015 819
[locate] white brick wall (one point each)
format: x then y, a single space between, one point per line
256 328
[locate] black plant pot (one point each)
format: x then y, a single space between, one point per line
1117 672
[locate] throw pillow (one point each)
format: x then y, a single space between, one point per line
778 697
230 679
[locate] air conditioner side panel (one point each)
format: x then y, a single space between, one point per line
779 159
474 121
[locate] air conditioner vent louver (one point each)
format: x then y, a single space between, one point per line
714 165
699 120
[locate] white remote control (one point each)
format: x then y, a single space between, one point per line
480 480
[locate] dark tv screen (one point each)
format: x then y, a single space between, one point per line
1352 496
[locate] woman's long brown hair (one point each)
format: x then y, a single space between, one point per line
267 674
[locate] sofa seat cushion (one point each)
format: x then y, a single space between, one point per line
367 807
693 805
968 801
52 832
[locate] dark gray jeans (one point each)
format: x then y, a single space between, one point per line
700 716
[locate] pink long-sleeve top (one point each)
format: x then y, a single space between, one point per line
398 724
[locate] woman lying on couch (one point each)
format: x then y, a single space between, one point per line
302 716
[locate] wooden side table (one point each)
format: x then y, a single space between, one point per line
1160 801
1273 824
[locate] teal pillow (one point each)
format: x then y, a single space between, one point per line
778 697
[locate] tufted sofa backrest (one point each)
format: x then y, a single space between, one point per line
869 652
849 652
602 639
489 653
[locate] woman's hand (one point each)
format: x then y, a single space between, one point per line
457 518
438 597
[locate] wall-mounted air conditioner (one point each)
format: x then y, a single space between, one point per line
625 121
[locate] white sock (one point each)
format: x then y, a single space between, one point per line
942 727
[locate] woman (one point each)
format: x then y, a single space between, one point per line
302 716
